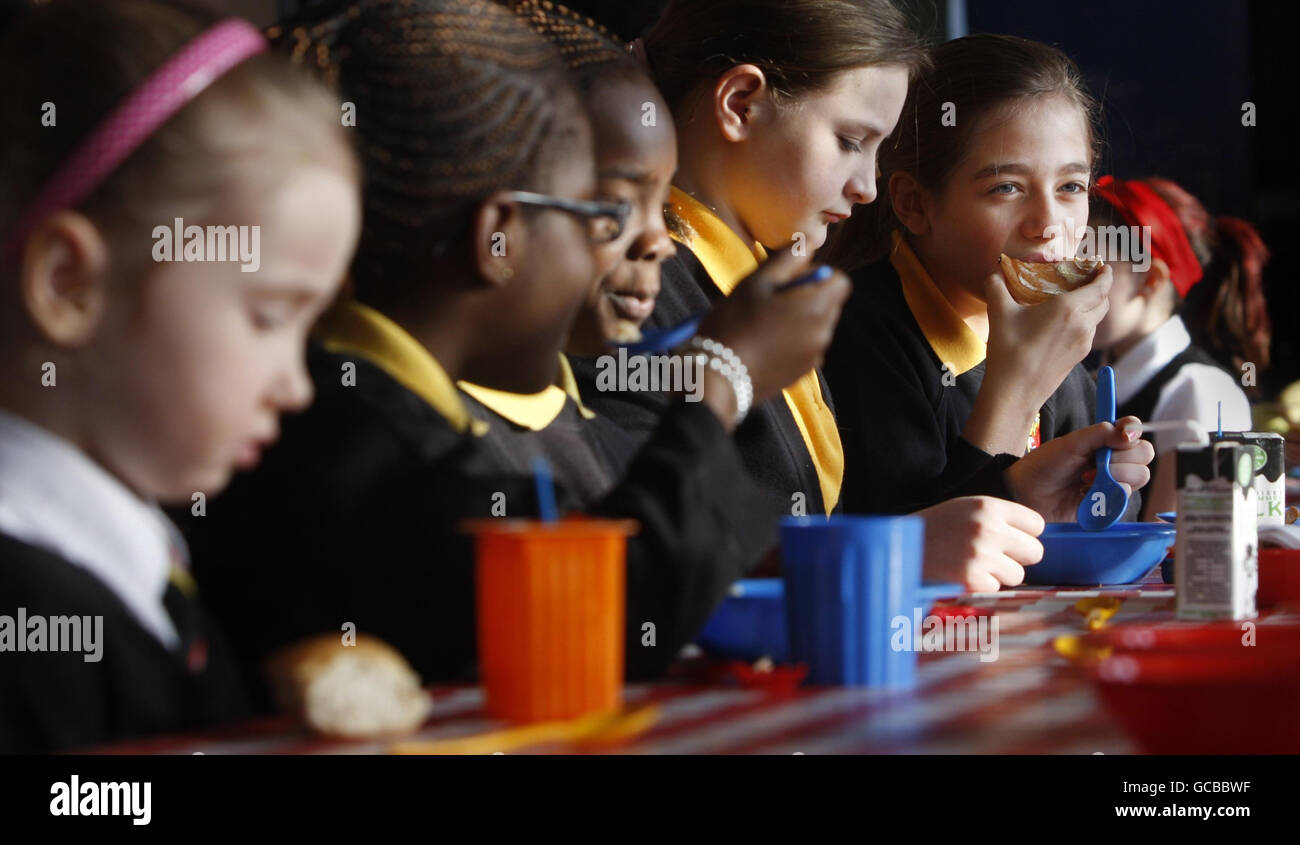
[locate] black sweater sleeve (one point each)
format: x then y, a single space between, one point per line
353 521
1073 406
901 450
687 490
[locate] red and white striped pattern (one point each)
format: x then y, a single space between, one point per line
1028 701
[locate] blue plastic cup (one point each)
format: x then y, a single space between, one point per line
846 579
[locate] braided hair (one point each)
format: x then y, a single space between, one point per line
587 49
454 100
595 57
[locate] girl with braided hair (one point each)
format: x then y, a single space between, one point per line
636 155
472 138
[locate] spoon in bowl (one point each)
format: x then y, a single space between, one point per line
1106 501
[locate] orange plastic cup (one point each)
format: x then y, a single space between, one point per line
551 605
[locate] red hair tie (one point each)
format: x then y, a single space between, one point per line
1139 205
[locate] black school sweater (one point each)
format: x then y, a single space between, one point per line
770 445
900 423
353 516
54 701
567 443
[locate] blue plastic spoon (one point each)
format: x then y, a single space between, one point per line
1106 501
657 340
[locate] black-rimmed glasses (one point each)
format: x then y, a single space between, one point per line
606 219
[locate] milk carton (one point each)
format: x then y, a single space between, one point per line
1266 450
1217 537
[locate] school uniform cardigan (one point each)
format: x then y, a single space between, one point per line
83 555
553 424
906 370
56 701
790 445
355 514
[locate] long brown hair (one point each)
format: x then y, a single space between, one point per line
800 45
1226 312
979 75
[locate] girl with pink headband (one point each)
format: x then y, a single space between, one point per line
133 378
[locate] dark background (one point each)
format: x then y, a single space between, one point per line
1171 76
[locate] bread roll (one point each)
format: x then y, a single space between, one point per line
1031 283
348 691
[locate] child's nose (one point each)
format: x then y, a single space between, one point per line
653 245
1042 220
861 188
294 389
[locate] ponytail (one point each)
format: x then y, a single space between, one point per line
1226 312
1229 317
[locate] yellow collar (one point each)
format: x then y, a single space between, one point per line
533 411
353 328
947 333
724 255
727 260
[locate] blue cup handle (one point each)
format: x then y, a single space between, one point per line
758 588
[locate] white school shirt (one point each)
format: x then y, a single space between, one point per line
1193 393
53 496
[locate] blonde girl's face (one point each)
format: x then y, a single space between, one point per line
193 369
808 163
1022 190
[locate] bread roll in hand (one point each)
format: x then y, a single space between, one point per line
1031 283
356 691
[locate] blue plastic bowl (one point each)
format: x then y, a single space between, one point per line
751 622
1120 554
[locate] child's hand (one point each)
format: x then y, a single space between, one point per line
1031 349
778 335
1053 478
981 541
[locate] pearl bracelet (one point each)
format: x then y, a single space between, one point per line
727 364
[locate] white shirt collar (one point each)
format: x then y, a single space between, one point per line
53 496
1140 364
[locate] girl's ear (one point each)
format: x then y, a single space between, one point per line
738 96
63 278
911 202
1156 279
500 240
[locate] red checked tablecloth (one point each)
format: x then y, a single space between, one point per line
1028 701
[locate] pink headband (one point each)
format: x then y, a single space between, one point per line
180 79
